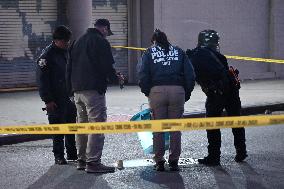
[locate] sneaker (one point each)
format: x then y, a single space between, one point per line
92 167
174 165
60 161
209 161
159 166
240 157
81 165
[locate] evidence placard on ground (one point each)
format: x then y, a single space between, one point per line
151 125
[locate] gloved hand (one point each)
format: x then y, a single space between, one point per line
50 106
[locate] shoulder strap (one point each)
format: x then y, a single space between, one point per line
215 57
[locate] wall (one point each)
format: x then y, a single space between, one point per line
244 28
277 35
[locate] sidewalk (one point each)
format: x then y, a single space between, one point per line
24 108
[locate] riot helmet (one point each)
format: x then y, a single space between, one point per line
209 38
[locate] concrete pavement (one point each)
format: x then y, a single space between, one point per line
24 108
30 165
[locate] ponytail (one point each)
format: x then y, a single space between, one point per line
161 39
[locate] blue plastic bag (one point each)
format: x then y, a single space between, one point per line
146 138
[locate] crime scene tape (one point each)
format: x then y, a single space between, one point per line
227 56
151 125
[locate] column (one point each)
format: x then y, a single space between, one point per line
79 16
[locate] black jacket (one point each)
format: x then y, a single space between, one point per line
210 73
91 63
50 69
158 68
205 64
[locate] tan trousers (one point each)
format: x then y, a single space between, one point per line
167 102
91 107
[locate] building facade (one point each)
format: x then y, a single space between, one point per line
27 25
247 28
252 28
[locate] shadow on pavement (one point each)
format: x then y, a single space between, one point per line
66 176
253 179
164 179
222 177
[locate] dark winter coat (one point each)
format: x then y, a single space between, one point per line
50 69
161 68
91 63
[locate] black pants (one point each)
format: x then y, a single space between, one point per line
215 104
64 113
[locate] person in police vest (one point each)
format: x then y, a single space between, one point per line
221 85
51 68
166 77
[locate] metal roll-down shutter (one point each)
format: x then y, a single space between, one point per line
26 27
116 12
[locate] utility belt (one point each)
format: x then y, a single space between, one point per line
213 88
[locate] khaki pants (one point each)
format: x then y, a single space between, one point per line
167 102
91 107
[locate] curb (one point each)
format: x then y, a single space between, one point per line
252 110
245 111
22 89
16 138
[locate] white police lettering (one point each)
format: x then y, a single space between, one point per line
158 55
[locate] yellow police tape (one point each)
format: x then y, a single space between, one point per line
228 56
151 125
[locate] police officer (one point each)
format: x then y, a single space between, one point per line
222 91
166 77
51 67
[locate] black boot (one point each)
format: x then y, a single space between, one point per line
240 144
240 157
60 161
72 157
173 165
160 166
210 161
214 146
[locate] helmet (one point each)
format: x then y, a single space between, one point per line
208 38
